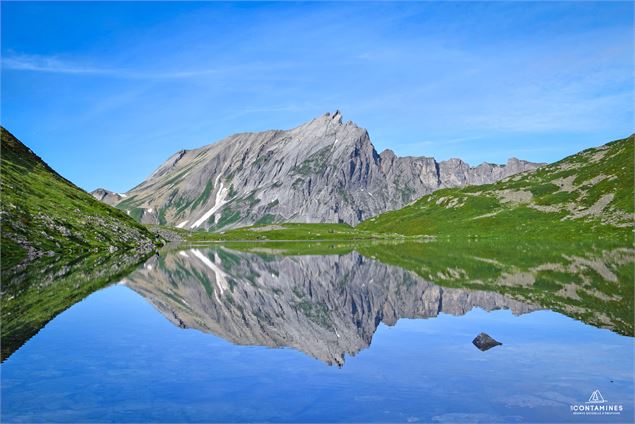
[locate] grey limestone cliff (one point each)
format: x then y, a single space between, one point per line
322 171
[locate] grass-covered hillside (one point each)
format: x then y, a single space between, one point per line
42 214
587 194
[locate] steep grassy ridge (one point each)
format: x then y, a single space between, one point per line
43 214
587 194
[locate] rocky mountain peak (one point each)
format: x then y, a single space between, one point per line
337 117
515 165
321 171
106 196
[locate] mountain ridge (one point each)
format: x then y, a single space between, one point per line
321 171
585 196
593 188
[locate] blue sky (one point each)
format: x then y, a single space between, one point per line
105 92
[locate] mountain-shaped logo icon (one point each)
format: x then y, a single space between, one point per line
596 397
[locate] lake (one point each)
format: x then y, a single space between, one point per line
365 332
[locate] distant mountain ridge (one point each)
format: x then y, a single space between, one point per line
322 171
589 193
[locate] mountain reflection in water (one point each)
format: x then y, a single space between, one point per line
324 306
114 357
327 299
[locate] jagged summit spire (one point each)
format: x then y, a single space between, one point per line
337 116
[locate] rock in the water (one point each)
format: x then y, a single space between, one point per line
485 342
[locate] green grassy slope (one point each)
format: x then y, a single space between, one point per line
42 214
587 194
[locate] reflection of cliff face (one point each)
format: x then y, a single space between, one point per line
325 306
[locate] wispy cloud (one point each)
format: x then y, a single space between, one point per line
50 64
57 65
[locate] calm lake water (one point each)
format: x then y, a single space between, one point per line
213 334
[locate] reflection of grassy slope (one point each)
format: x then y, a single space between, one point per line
42 212
295 248
287 232
590 281
561 200
50 286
